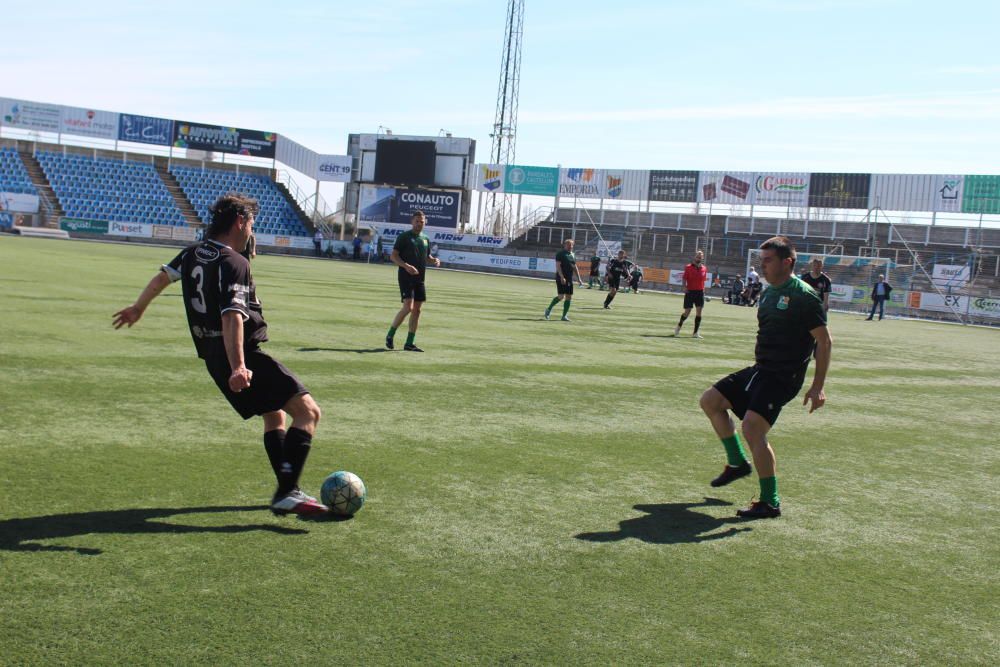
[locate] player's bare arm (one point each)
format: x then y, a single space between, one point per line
132 314
398 261
232 337
824 347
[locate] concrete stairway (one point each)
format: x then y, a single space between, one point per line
176 193
52 210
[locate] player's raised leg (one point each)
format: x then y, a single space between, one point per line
716 407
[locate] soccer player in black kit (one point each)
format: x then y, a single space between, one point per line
227 325
819 281
617 269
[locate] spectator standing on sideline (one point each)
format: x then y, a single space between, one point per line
880 294
318 242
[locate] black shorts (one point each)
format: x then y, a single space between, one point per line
694 299
614 282
271 386
411 287
595 271
761 391
564 288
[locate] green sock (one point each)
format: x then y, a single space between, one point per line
565 307
552 305
769 491
410 336
392 332
735 453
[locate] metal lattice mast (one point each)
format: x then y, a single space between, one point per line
500 213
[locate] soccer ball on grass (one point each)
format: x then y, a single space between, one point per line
343 492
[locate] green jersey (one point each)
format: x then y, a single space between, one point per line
413 249
785 316
566 261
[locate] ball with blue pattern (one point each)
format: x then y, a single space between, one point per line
344 493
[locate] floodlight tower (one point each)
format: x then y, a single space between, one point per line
500 213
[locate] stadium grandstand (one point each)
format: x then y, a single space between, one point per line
202 186
918 227
109 188
76 184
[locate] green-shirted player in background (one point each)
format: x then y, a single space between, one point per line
410 253
791 326
565 270
595 273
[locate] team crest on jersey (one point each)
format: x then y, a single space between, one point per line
783 303
207 253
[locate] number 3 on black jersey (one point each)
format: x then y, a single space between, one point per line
198 299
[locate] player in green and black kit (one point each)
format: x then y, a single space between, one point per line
410 254
595 273
791 326
565 271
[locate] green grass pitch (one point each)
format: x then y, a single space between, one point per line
537 491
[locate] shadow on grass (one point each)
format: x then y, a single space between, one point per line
24 534
671 523
525 319
659 336
369 350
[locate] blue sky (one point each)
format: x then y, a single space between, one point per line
881 85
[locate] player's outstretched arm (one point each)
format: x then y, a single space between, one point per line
824 347
132 314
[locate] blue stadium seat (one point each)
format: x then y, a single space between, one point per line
13 174
203 187
109 189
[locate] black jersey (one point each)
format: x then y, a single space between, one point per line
618 267
413 248
216 279
822 284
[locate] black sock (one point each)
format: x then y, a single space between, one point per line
297 445
609 298
681 323
697 322
274 445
